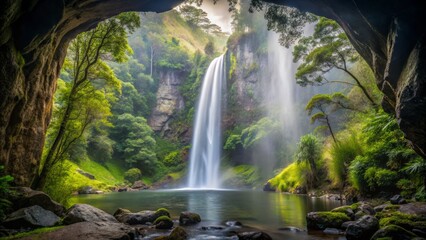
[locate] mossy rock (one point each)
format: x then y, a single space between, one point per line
162 212
406 221
323 220
346 210
163 222
393 232
178 234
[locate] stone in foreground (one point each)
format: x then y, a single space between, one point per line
88 231
253 236
363 228
142 217
87 213
26 197
323 220
31 217
189 218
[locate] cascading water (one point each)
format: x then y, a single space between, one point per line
205 152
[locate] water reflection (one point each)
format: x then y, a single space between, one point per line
268 211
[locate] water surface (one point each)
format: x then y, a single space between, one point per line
262 210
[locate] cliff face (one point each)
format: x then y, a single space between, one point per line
169 101
390 35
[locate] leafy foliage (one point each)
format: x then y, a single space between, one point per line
132 175
5 180
309 152
328 48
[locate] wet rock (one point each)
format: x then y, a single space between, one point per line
393 232
253 236
291 229
86 213
31 217
189 218
396 199
26 197
346 224
89 231
139 185
323 220
233 224
418 208
142 217
366 209
86 190
346 210
86 174
163 222
363 228
332 231
268 187
381 207
123 189
177 234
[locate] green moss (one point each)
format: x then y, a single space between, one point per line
162 212
33 233
407 221
334 216
393 232
288 179
162 218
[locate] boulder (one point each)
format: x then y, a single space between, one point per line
88 231
26 197
381 207
86 190
366 209
233 224
177 234
346 224
139 185
323 220
142 217
87 213
396 199
268 187
253 236
418 208
189 218
31 217
163 222
363 228
346 210
393 232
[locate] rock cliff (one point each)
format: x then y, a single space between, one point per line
169 101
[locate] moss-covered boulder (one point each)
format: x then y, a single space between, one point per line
142 217
406 221
189 218
393 232
363 228
163 222
346 210
323 220
178 234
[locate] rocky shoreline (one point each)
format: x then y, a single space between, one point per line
37 216
395 219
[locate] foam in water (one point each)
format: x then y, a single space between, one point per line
206 143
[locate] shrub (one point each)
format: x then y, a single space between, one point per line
132 175
4 192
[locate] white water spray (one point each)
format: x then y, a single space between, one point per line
206 141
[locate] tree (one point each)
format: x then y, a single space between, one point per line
209 49
328 48
81 102
196 17
309 152
325 104
135 144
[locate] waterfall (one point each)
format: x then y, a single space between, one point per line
206 141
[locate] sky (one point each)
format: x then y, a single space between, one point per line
218 13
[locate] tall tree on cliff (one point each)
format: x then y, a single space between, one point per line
328 48
82 104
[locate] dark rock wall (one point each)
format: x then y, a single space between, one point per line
34 36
